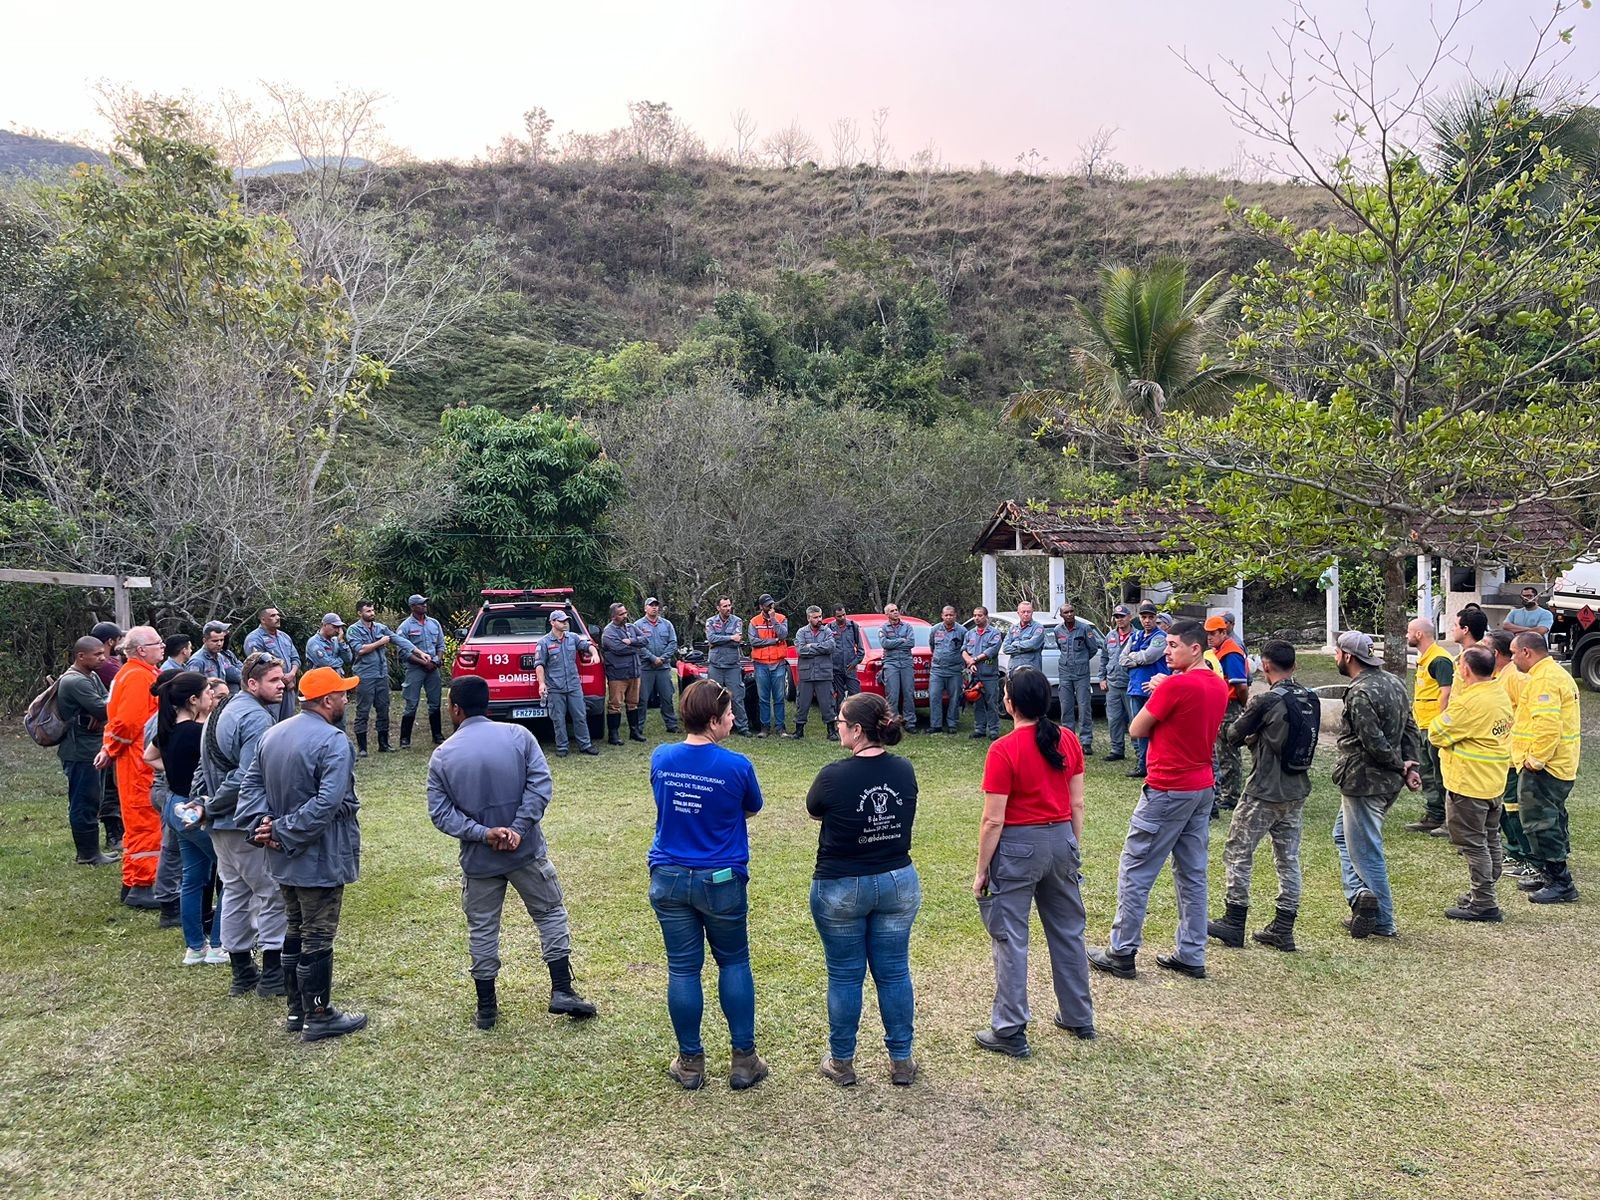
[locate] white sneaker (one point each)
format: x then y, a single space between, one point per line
194 958
217 956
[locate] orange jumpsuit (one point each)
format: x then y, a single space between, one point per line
127 712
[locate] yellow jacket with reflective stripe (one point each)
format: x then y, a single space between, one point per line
1474 740
1547 720
1424 688
1511 679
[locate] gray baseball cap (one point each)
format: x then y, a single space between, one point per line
557 614
215 627
1359 647
332 619
413 601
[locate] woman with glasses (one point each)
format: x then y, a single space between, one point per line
865 893
185 701
699 875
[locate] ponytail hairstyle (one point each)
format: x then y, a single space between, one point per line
871 712
1029 691
174 689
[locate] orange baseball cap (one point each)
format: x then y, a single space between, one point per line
324 681
1213 625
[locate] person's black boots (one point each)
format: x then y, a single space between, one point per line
87 844
271 982
564 1001
290 961
383 740
1120 965
436 726
800 732
245 974
406 722
636 725
171 918
488 1006
322 1019
1229 930
833 732
613 725
361 745
1280 934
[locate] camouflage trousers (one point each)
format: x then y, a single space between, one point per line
1226 760
1253 820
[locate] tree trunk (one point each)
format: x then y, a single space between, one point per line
1396 612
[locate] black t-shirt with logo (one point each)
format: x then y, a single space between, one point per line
866 805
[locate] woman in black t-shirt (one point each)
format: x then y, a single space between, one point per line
186 701
865 892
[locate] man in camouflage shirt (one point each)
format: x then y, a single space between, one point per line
1378 752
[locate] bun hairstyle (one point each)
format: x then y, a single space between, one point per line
871 712
1029 691
174 689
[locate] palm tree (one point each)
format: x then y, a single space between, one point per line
1485 133
1147 347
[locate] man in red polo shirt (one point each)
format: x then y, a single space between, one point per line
1172 818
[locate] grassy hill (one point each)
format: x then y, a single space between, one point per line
24 154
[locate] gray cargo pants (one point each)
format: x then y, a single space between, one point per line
900 690
1163 825
657 683
483 899
567 706
1077 710
252 902
732 678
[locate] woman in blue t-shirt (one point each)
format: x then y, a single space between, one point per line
699 874
865 892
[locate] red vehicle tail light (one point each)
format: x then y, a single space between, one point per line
467 659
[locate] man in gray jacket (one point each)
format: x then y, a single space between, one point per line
1079 643
1114 680
898 668
299 794
489 787
370 640
1025 641
944 672
252 901
813 647
622 650
659 655
724 632
849 652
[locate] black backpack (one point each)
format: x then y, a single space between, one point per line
1303 709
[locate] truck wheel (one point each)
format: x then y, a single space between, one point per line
1589 668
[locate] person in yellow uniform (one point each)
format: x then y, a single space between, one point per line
1516 846
1473 738
1430 696
1545 747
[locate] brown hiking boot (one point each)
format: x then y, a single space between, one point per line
903 1072
689 1070
839 1070
748 1069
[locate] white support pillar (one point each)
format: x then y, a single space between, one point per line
991 582
1236 607
1058 584
1425 586
1332 598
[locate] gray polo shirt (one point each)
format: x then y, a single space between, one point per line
488 775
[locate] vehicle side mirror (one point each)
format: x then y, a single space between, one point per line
461 635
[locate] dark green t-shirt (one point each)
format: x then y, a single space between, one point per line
81 701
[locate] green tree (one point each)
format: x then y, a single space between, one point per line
502 502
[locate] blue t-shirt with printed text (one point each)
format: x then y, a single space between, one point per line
703 794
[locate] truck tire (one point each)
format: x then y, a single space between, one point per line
1588 666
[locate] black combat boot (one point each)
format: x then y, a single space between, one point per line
436 726
1280 934
636 725
406 722
1120 965
564 1001
488 1005
1230 929
383 740
272 982
171 918
800 731
245 975
290 960
361 745
322 1019
613 727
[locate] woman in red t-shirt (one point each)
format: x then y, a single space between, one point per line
1027 854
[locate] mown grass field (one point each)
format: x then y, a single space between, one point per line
1455 1062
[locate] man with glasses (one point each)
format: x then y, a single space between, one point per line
214 660
128 709
270 638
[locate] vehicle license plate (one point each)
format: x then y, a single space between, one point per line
922 693
529 713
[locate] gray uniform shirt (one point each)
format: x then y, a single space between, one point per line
81 702
1025 645
559 658
279 644
304 777
375 663
426 635
660 641
896 638
1079 646
946 645
722 640
488 775
224 666
1112 668
236 732
329 652
619 650
814 648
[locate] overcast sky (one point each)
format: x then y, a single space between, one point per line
982 81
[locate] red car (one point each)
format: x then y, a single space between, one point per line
500 645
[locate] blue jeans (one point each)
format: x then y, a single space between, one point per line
1141 745
199 868
693 911
772 687
1358 835
865 921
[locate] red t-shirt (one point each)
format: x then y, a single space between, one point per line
1189 708
1038 795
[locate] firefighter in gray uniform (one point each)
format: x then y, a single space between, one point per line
898 668
981 653
1025 643
944 673
556 662
658 658
1079 644
214 660
1114 680
814 652
723 659
423 665
370 640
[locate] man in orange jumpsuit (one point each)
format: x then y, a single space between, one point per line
129 708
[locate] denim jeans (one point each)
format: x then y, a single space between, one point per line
693 911
1358 835
865 922
772 688
1141 745
199 868
83 806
